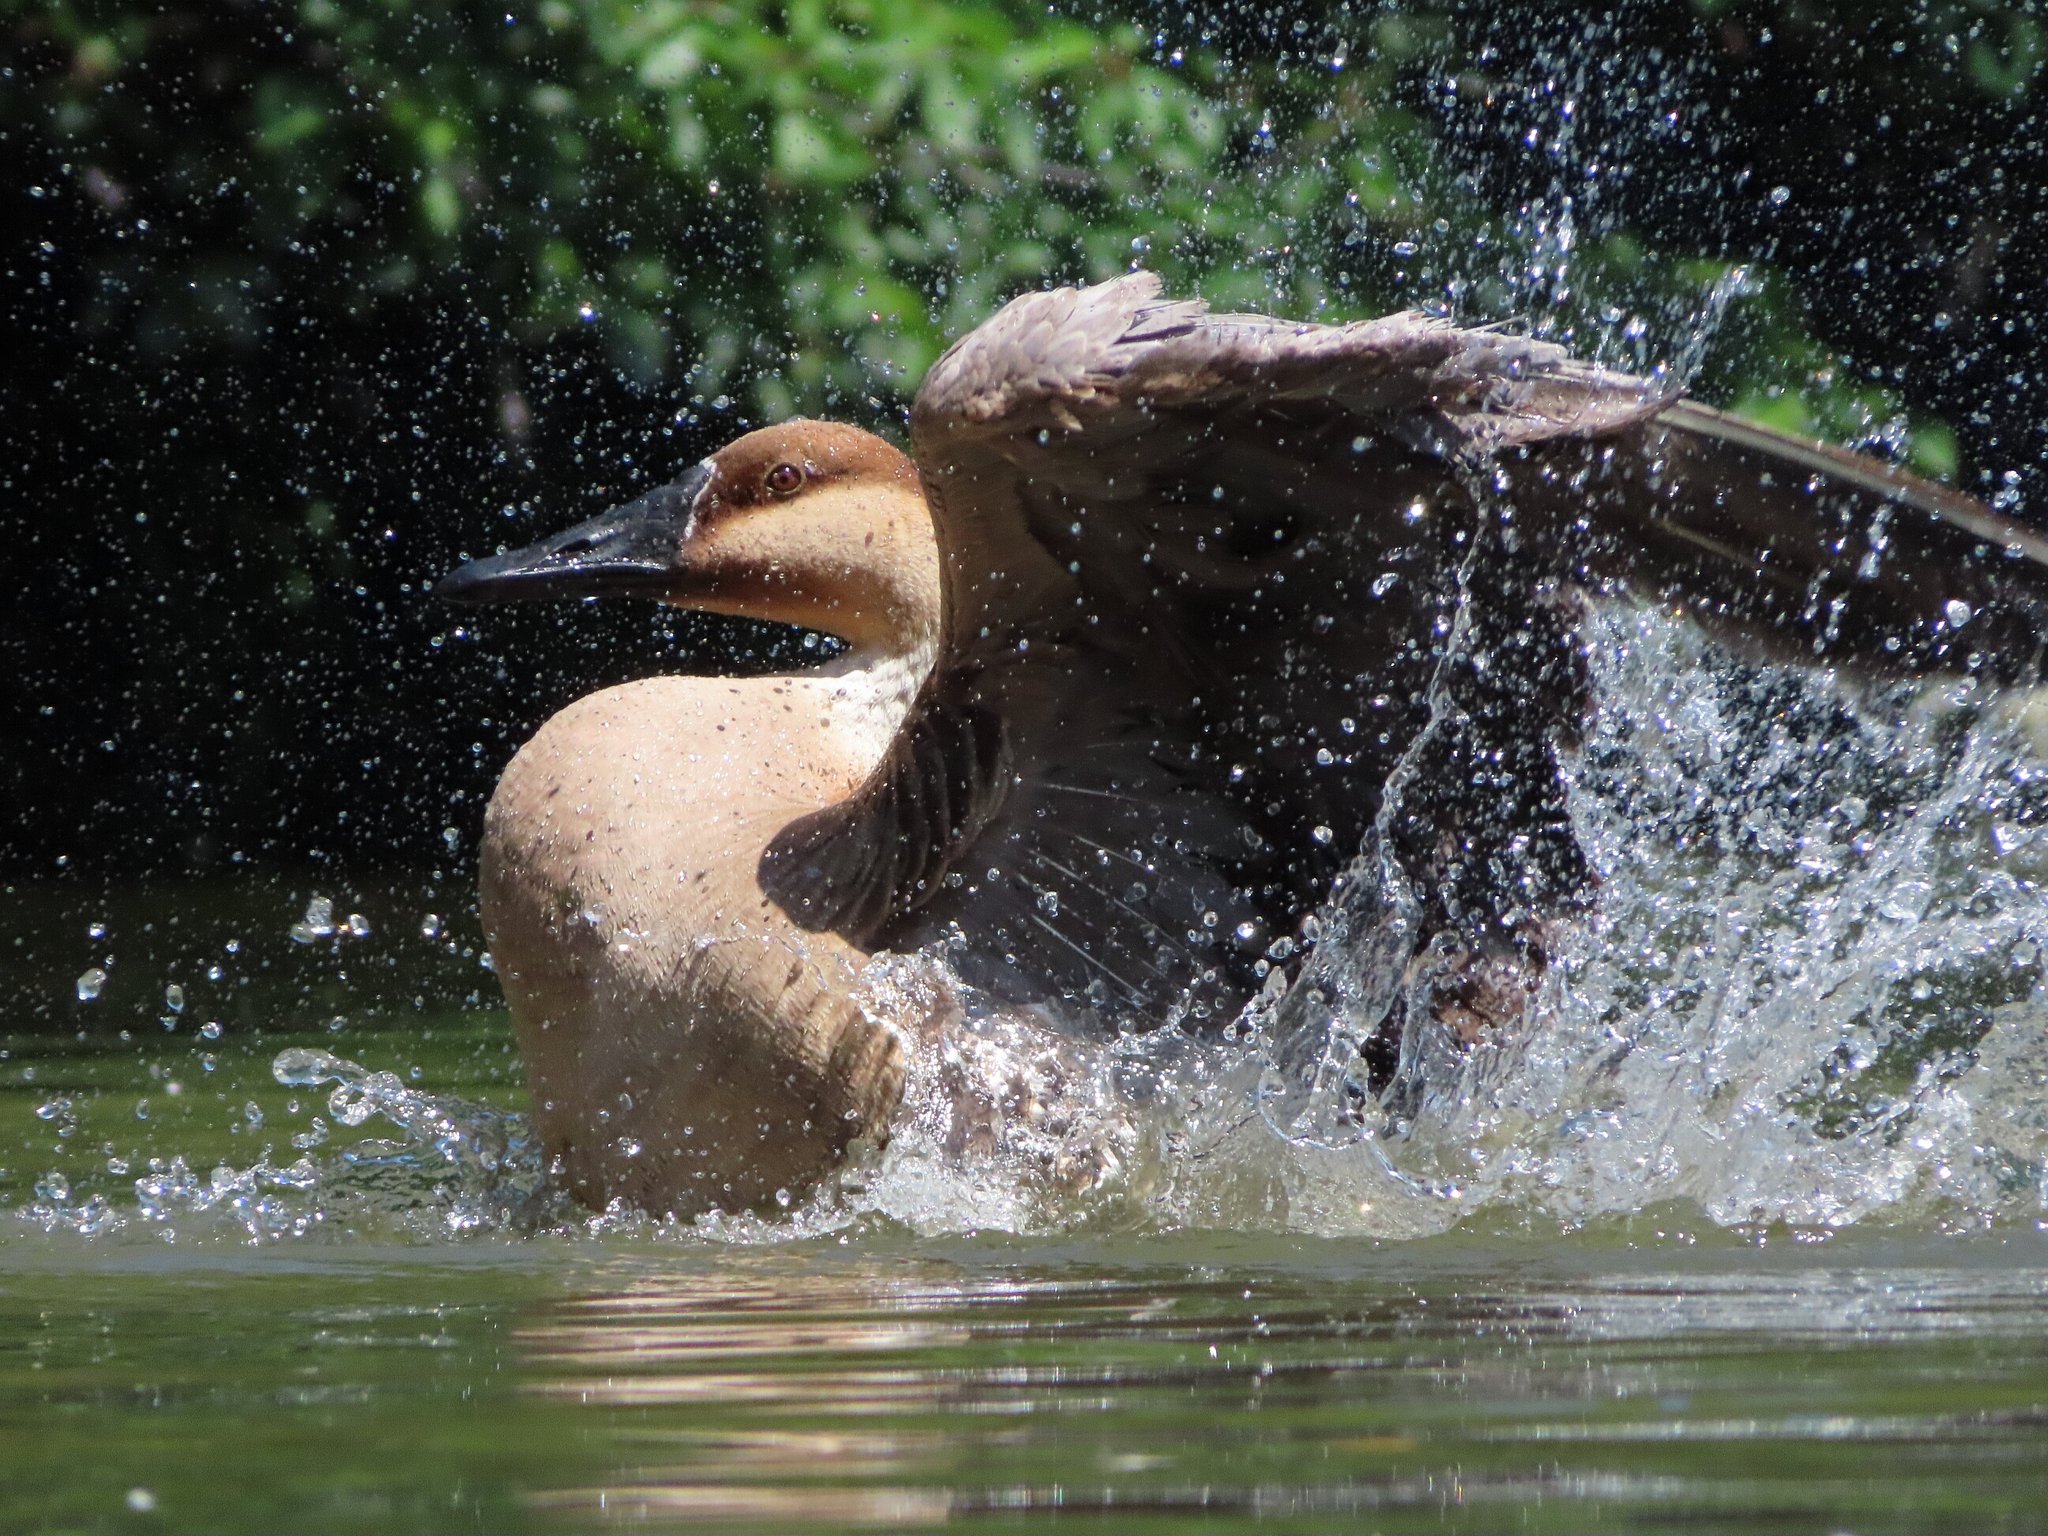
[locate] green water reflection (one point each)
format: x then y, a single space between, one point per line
1607 1382
171 1376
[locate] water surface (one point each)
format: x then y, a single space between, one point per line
1621 1381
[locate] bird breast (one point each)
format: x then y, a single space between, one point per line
653 983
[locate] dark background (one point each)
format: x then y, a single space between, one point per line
302 305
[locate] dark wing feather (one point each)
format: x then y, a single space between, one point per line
1801 550
1097 392
855 866
1209 570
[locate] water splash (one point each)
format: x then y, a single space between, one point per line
1809 992
446 1169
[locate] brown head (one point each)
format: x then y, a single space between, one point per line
808 522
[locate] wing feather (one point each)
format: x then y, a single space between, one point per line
1210 572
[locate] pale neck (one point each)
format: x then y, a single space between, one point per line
877 687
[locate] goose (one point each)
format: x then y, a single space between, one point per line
1166 616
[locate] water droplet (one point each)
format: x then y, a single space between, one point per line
318 922
299 1067
174 998
1957 611
89 983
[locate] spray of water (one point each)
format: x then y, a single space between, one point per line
1808 992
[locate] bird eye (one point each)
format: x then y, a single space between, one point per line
785 480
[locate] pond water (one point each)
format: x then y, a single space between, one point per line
1747 1229
1618 1380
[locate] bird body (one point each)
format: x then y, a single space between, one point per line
648 973
646 970
1172 614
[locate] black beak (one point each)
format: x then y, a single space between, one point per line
629 551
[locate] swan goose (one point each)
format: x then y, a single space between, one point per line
1171 613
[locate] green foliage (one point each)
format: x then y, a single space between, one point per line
803 202
299 290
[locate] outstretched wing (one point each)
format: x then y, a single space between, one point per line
1102 406
1112 394
1205 570
1804 550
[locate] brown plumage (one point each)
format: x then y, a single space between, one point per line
1174 613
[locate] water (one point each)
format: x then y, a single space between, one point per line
1614 1382
1746 1228
1809 993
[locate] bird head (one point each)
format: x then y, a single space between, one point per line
807 523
